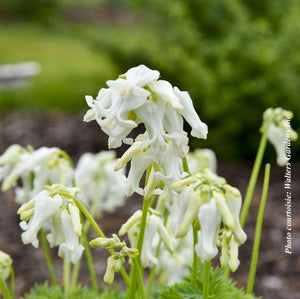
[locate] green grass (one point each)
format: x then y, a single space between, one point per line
71 68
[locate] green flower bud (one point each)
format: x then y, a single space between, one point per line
5 264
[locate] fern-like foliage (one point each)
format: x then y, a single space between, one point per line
220 287
44 291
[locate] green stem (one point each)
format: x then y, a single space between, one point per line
100 233
206 279
133 274
185 165
48 257
89 260
85 228
151 277
258 229
89 217
143 226
66 276
12 281
139 279
131 291
4 289
75 273
153 269
152 200
195 257
254 174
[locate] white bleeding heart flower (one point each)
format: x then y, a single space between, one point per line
70 248
210 219
45 207
277 137
279 132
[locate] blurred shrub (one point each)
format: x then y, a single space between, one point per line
236 58
30 10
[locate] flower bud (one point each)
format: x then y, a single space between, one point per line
223 208
137 216
110 272
5 264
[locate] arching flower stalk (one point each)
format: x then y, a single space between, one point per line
277 129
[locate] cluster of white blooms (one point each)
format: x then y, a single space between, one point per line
202 158
5 265
35 168
53 209
139 97
46 207
208 198
280 133
100 186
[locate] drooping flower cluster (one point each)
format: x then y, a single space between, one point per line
100 186
117 258
280 133
35 168
54 209
209 199
139 97
5 265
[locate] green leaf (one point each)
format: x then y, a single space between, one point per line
220 287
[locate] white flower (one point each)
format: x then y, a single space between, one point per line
9 159
5 264
100 185
234 202
173 267
210 219
36 169
153 227
70 248
185 208
113 105
199 129
28 163
44 208
277 137
279 132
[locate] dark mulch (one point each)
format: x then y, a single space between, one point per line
278 273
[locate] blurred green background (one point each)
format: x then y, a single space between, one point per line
236 58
